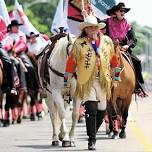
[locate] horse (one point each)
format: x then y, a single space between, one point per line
55 100
1 94
121 96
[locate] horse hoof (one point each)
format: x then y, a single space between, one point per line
66 144
60 136
6 123
73 144
1 123
55 143
115 136
32 117
122 135
81 120
19 119
39 115
110 134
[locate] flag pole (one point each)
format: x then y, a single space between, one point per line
82 5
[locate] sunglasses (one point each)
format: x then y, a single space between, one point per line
122 10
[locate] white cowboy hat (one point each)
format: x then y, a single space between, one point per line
91 20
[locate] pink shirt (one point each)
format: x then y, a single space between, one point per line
19 39
118 29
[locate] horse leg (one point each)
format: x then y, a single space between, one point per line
113 122
122 134
32 94
56 94
62 134
1 108
21 98
53 115
109 117
75 117
6 121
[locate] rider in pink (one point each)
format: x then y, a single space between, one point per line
14 34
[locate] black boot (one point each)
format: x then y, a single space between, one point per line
8 80
91 111
100 117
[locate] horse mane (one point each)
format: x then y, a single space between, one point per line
62 45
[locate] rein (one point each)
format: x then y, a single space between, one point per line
56 72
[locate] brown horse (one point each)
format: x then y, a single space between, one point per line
121 96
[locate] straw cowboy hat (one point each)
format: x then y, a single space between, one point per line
91 21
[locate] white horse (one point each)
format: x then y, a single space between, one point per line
55 101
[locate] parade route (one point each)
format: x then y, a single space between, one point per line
36 136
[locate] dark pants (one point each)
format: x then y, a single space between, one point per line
31 74
19 72
138 68
8 71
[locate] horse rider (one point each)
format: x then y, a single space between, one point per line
90 59
36 44
15 39
8 84
118 28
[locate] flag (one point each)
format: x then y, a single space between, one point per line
27 26
3 12
22 18
75 7
101 6
60 17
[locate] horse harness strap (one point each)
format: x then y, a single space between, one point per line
128 58
56 72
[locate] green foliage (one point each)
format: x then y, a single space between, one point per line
40 14
143 34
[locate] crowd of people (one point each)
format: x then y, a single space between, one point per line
20 74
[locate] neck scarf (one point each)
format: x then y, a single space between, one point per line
118 29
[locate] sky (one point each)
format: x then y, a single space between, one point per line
141 11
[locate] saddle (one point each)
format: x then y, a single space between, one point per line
44 73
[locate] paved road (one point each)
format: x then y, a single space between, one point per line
36 136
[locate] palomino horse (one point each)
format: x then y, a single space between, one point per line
121 96
55 100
